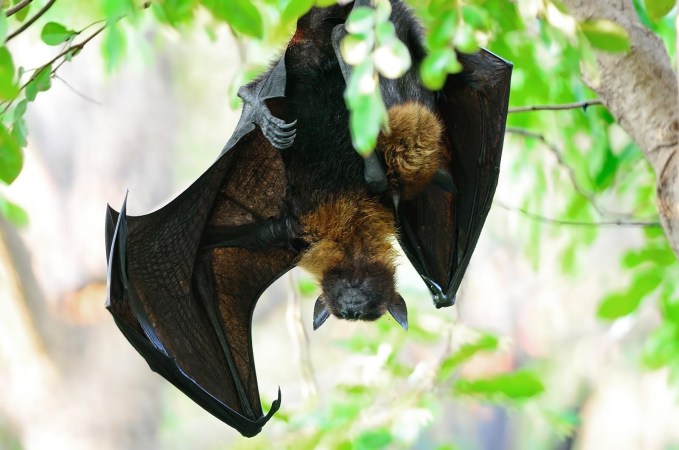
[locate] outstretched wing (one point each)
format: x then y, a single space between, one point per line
187 307
439 230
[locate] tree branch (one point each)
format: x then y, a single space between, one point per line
640 89
30 21
564 106
575 223
18 7
569 170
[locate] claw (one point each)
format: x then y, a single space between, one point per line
285 134
289 125
444 180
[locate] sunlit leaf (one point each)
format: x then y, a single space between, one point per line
54 33
464 39
606 35
242 15
3 27
41 81
373 439
11 156
355 48
295 9
392 60
519 385
113 45
442 33
657 9
14 213
662 346
476 17
116 9
436 67
623 303
484 343
361 20
8 87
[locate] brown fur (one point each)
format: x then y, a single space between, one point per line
413 150
348 230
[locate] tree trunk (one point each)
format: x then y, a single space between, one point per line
640 89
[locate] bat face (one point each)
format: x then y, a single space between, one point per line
359 293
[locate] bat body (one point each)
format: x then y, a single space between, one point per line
289 189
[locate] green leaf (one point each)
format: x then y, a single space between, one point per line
21 15
436 67
306 287
484 343
661 256
464 39
519 385
40 82
295 9
476 17
662 346
8 88
3 27
241 15
373 439
14 213
113 45
606 35
620 304
657 9
11 156
361 20
441 34
392 60
116 9
54 33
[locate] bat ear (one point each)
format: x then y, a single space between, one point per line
399 312
321 313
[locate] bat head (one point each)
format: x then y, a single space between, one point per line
359 293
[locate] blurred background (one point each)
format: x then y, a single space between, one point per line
562 337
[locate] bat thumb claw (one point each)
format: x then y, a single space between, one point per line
444 180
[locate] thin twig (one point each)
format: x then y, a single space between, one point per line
574 223
30 21
300 339
560 107
18 7
569 170
77 92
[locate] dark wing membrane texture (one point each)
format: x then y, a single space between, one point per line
187 308
439 230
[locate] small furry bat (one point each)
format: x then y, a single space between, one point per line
289 190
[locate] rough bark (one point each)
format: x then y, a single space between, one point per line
640 89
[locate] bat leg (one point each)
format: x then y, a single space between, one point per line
280 133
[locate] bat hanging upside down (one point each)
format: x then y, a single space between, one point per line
289 190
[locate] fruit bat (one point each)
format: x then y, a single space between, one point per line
289 190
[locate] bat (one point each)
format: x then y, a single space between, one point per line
289 190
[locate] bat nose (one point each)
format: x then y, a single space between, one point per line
350 314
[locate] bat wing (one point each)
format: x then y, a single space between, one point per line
439 230
187 307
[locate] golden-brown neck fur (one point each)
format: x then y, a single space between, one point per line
351 229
